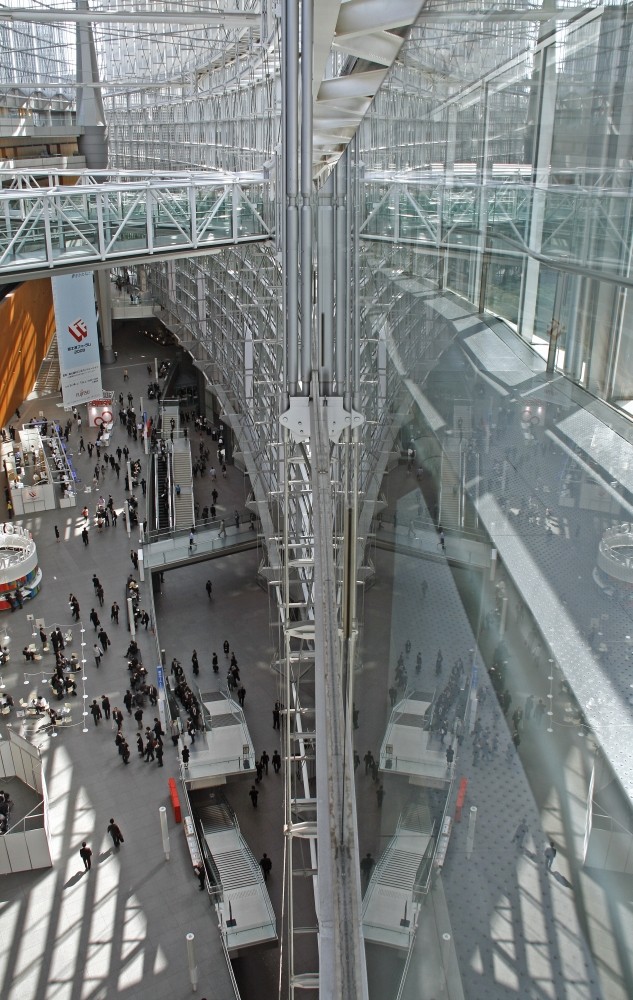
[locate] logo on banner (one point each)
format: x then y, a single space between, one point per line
78 330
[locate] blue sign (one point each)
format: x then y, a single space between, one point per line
160 678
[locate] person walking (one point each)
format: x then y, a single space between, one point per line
366 866
254 795
105 706
241 695
94 618
114 613
86 855
550 854
103 639
380 794
115 832
265 759
450 756
184 756
222 531
201 875
276 761
520 833
84 537
159 753
195 666
98 654
57 536
174 729
150 746
95 712
266 866
138 715
117 717
209 588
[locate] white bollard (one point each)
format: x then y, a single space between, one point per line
470 839
446 954
191 958
162 812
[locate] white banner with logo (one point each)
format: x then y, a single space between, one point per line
77 338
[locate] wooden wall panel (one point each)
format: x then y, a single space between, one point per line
27 324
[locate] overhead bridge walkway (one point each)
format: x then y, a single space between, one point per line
64 220
171 549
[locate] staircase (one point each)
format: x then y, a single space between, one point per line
184 514
48 378
398 869
449 487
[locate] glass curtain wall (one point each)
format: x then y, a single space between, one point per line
516 172
494 259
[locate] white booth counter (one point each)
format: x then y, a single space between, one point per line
28 473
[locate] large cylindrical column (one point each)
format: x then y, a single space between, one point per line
93 146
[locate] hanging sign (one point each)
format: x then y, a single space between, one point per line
77 338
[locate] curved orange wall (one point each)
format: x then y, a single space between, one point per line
27 325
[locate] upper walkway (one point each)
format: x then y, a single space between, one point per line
170 549
65 220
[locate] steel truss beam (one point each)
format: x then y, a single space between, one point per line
207 18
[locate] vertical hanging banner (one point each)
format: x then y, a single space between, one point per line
77 338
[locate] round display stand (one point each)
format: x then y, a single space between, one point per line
19 571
